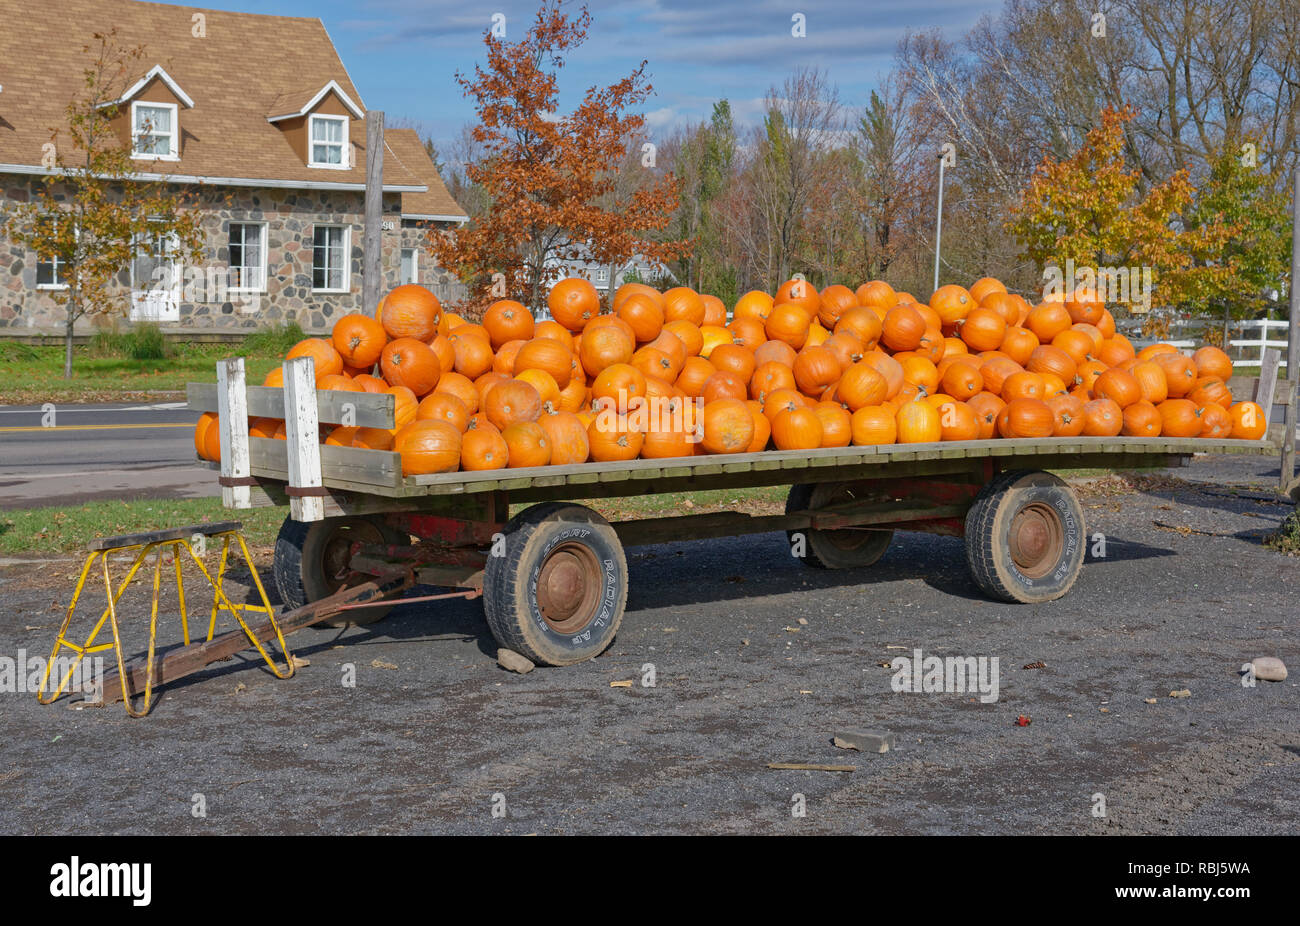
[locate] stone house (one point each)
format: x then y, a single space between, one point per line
274 156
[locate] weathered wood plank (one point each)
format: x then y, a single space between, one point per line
232 419
302 428
363 409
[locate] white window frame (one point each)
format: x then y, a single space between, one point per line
265 249
415 265
173 137
344 147
56 262
347 259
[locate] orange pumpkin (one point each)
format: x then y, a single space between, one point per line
1211 361
815 368
801 293
1102 418
1067 415
692 336
1210 390
748 332
1152 384
671 433
411 311
359 340
1215 422
788 322
428 447
733 358
987 407
1019 344
958 421
996 370
1048 320
724 385
507 320
410 363
1249 421
1024 385
695 373
567 436
207 437
512 402
603 347
877 293
952 303
1120 387
962 380
983 329
325 358
504 360
644 315
1180 373
1141 419
903 328
796 429
443 406
836 422
1026 418
547 355
863 324
482 447
621 385
682 302
1180 418
918 423
1047 358
472 350
715 310
872 425
573 302
769 377
526 445
755 305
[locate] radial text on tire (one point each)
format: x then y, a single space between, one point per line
1025 537
556 594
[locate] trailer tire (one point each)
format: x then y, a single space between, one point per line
573 557
306 553
1025 537
829 549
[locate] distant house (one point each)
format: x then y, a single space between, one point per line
606 278
259 117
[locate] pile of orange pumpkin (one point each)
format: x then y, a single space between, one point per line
797 370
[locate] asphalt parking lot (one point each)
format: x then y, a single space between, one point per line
756 659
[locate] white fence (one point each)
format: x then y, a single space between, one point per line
1248 351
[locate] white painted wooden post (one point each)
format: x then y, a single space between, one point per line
232 414
1267 387
303 432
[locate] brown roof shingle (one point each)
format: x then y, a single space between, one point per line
244 67
404 146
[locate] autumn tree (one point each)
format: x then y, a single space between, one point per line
1087 208
1241 236
549 177
90 217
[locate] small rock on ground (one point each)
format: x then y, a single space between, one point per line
1269 668
509 659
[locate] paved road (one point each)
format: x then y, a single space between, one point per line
90 452
434 735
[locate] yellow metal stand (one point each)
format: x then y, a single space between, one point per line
157 543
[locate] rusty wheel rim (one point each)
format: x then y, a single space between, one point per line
1036 540
568 588
337 553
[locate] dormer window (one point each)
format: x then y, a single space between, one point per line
153 131
329 141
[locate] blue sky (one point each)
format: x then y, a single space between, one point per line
403 54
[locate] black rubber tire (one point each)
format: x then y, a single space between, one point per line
851 549
510 583
1041 497
299 571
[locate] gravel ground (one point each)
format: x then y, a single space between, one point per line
434 736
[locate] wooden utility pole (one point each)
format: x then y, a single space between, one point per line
1293 350
372 280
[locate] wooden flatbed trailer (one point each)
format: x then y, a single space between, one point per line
554 577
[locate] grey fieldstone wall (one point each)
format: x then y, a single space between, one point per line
206 305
